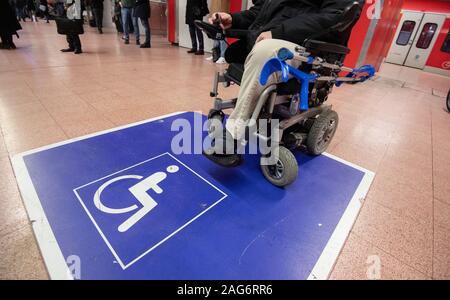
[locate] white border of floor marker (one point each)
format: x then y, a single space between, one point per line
52 254
56 263
330 253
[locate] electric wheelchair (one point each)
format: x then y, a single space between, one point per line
297 101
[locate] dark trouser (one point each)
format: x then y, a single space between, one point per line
147 29
118 23
6 39
98 15
74 41
127 14
196 33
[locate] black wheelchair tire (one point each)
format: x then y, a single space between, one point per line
289 166
324 127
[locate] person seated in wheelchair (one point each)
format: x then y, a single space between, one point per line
271 25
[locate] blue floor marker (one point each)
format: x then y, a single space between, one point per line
121 205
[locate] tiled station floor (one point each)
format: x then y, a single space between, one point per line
396 126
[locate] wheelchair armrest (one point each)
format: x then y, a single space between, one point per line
319 46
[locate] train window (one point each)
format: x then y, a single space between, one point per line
426 36
405 33
446 45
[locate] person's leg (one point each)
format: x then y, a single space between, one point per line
146 25
250 87
136 27
71 47
95 12
125 14
193 37
77 44
11 42
223 48
201 46
99 21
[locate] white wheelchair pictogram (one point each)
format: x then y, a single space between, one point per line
139 191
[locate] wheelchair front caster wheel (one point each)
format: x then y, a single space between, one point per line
322 132
215 120
284 171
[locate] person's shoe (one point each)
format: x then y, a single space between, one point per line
146 45
192 51
221 60
138 42
127 42
100 31
209 58
223 151
12 46
78 51
225 160
67 50
200 52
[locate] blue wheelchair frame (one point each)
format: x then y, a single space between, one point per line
279 64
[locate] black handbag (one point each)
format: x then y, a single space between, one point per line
69 27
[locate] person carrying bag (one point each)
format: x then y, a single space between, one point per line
72 26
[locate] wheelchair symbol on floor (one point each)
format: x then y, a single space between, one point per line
139 191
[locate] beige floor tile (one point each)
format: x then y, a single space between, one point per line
441 253
358 154
361 260
21 258
402 237
404 199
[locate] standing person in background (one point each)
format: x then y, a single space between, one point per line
20 9
43 7
31 8
116 16
142 11
8 25
196 10
97 10
219 5
127 9
73 11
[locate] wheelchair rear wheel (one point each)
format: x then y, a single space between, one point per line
322 132
284 171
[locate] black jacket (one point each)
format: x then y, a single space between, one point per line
196 10
97 4
8 22
293 20
142 9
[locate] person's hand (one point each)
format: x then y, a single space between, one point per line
225 19
266 35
